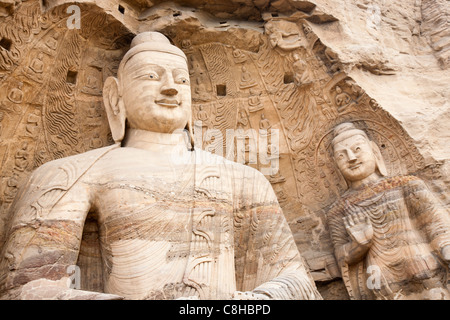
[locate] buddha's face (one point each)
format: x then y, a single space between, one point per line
156 92
355 158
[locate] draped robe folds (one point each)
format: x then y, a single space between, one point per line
410 229
204 228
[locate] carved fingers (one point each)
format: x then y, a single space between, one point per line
356 219
357 224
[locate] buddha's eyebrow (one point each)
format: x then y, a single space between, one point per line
357 142
180 71
141 68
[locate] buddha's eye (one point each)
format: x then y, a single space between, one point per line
183 80
153 76
357 149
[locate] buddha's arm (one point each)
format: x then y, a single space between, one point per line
430 215
269 264
289 275
43 241
350 253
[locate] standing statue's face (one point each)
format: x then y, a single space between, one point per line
156 92
355 158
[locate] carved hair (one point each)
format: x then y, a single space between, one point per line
149 41
345 130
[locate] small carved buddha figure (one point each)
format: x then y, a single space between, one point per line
11 187
301 74
202 115
201 91
52 42
21 157
342 99
16 94
247 80
254 101
36 68
243 115
309 34
238 55
264 125
391 235
173 221
96 142
32 125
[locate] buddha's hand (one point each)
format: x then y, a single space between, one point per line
446 253
358 225
45 289
248 295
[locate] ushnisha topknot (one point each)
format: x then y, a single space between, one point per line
345 130
149 41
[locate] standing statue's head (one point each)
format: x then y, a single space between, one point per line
357 157
152 90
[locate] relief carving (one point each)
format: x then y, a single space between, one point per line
283 34
16 94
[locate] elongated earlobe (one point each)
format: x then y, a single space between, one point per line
115 109
379 159
190 131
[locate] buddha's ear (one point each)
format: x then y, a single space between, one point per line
190 131
379 159
115 110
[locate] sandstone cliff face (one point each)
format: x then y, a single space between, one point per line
302 65
399 54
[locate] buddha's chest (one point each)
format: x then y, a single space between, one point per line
163 236
153 208
144 192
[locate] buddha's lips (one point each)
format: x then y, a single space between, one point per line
171 103
355 166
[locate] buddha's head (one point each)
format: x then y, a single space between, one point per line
152 90
356 156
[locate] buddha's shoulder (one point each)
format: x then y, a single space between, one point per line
208 160
73 164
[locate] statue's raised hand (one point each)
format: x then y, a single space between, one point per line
358 225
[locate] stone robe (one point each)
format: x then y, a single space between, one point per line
202 228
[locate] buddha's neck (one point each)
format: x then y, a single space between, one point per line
374 177
159 143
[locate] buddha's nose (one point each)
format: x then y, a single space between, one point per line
351 156
169 91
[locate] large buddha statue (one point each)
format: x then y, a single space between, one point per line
391 235
174 221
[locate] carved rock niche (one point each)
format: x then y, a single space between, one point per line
251 67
